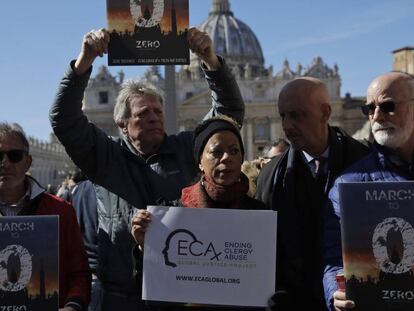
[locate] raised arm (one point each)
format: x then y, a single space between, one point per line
226 96
101 158
94 44
201 44
68 121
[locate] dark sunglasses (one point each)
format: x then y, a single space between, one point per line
385 107
14 156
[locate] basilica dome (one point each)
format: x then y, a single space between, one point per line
232 39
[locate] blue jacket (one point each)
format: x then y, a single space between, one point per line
84 203
379 165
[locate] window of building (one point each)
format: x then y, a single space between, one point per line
262 131
103 97
259 91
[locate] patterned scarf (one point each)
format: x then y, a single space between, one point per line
206 193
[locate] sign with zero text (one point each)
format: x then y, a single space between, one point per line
378 244
29 267
144 32
210 256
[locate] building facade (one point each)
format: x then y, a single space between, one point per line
51 165
259 85
403 59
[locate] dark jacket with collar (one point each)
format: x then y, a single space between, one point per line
127 180
286 185
376 166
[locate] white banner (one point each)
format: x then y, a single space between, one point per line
210 256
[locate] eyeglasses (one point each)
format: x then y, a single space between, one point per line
14 156
385 107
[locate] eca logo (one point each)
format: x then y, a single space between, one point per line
183 243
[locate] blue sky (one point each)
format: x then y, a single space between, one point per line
39 38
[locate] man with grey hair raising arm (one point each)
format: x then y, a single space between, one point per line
390 109
146 156
144 166
21 195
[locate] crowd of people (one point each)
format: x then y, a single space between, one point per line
101 244
250 168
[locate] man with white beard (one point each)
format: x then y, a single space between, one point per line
390 109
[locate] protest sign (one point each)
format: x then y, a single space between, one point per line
29 266
148 32
210 256
378 244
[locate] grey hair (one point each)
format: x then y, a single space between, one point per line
129 89
280 141
14 129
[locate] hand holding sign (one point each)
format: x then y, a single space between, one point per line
201 44
340 301
139 226
94 44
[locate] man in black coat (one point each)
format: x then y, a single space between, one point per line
296 184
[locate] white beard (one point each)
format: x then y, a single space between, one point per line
395 136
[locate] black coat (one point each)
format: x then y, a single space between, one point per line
286 185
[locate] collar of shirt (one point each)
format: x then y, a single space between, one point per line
34 188
167 146
309 159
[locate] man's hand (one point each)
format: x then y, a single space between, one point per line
139 226
94 44
201 44
340 302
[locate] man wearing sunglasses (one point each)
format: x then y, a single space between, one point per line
20 194
390 110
